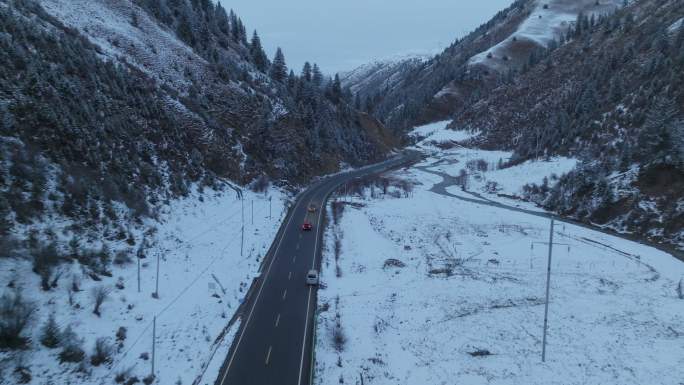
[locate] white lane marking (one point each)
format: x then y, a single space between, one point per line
308 302
256 300
297 246
268 355
300 235
285 294
306 329
277 320
294 259
289 275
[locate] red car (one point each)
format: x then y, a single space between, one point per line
307 226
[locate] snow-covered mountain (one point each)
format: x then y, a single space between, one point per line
599 81
380 73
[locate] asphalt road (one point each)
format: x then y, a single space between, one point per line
274 342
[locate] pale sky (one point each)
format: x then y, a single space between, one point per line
343 34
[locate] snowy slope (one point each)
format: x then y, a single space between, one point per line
148 46
203 277
380 73
429 289
547 22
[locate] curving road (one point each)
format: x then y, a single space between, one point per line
274 342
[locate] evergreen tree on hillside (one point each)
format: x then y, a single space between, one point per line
306 72
291 81
258 54
336 89
186 29
317 76
279 68
655 137
221 19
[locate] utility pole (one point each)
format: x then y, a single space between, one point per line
138 274
154 341
156 289
252 211
242 238
548 283
270 198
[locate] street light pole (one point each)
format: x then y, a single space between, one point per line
548 284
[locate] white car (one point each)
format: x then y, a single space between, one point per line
312 278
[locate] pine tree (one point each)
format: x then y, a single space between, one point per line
221 18
50 334
317 76
654 140
291 80
279 68
306 72
234 27
258 54
336 89
185 28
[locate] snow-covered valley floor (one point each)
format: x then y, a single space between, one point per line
430 289
203 277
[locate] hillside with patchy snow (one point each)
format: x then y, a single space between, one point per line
548 23
136 140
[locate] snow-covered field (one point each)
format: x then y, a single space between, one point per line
203 277
486 178
430 289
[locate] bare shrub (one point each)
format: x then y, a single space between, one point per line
123 375
477 165
16 313
102 352
393 263
121 333
680 289
462 179
45 259
99 295
337 211
339 337
337 247
450 252
492 187
260 184
122 257
149 379
72 347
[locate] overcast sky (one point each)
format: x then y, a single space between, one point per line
340 35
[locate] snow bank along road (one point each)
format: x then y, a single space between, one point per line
273 345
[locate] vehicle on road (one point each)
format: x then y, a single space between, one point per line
312 209
307 226
312 278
